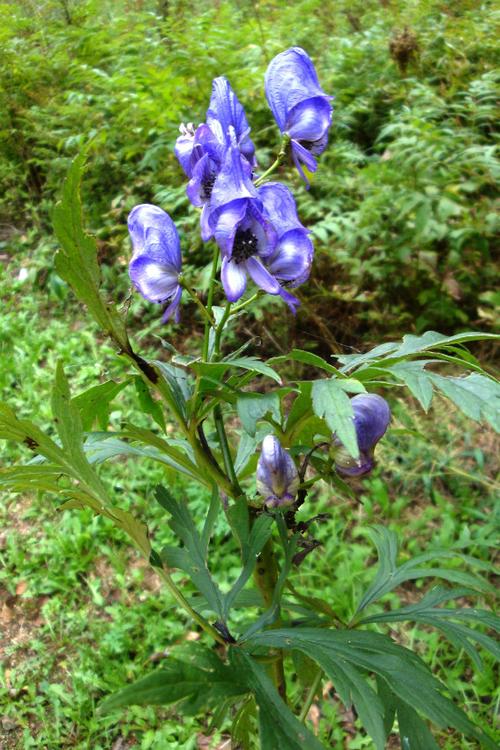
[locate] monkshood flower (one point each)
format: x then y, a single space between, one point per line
201 151
371 420
277 476
156 261
300 107
272 248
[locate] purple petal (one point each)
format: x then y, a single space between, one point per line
279 206
173 307
234 278
224 112
200 185
153 234
293 257
233 181
290 79
292 301
310 120
183 150
371 418
156 281
205 227
262 277
227 220
277 476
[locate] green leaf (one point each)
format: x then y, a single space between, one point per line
306 358
404 672
477 396
259 535
254 365
254 406
331 402
76 260
178 385
191 558
175 682
414 733
279 729
147 403
410 346
417 380
389 575
94 404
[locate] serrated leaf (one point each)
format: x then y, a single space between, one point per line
331 403
476 395
260 533
254 406
76 260
404 672
192 557
147 403
417 380
178 681
279 729
94 404
306 358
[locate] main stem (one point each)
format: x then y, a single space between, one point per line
266 577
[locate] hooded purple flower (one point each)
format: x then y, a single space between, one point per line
277 476
156 261
201 151
258 233
300 107
371 420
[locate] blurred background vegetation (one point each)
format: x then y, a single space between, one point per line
402 210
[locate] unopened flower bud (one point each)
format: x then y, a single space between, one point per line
371 420
277 476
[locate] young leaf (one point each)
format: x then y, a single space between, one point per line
279 729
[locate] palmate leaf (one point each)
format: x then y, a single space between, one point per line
427 612
279 729
411 345
254 406
389 575
205 685
345 655
76 260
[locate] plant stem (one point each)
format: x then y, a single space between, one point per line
220 329
226 452
204 311
278 161
246 303
210 299
266 577
182 601
310 696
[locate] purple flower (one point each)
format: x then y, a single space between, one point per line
300 107
224 113
277 476
201 151
156 260
258 233
371 420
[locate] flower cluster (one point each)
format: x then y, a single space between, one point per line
255 226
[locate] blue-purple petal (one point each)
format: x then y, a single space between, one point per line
371 418
292 259
261 276
225 112
156 281
310 120
153 233
234 279
277 476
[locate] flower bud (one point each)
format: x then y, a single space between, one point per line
277 476
371 420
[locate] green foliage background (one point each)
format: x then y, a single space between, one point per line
402 211
402 207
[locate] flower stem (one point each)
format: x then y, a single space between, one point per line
226 452
204 311
210 300
278 161
220 329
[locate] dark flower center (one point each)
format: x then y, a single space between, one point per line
245 245
207 186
